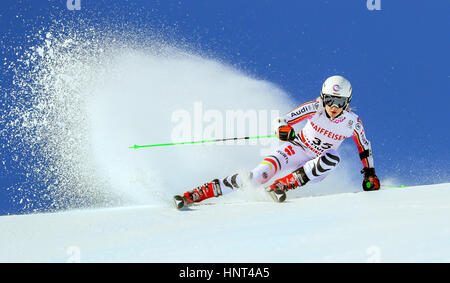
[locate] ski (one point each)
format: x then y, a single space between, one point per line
179 202
277 195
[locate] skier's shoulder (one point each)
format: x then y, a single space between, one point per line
353 119
312 104
350 113
307 107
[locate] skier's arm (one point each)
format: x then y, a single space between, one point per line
283 126
363 145
304 111
371 181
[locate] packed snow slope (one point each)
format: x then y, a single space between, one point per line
83 95
391 225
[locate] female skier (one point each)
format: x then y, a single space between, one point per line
309 155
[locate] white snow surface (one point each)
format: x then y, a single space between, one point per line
392 225
115 95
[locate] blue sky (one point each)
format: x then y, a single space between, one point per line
396 58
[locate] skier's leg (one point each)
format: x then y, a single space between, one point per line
319 168
287 157
230 183
205 191
215 188
312 171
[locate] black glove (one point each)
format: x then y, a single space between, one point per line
286 133
371 181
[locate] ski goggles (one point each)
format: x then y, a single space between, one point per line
331 100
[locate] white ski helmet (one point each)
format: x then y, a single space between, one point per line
336 90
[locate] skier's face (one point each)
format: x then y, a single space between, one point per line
333 111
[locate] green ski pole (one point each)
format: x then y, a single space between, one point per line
203 141
388 186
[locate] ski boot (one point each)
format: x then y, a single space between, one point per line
292 181
208 190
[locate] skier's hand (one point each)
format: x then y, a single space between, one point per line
371 181
286 133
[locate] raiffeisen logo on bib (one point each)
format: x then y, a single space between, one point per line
327 133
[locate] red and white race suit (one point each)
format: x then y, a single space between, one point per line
321 132
314 147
